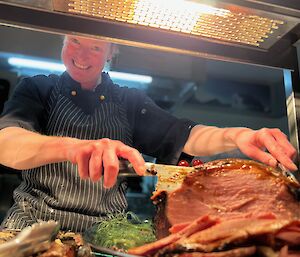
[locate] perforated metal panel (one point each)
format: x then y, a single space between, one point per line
183 17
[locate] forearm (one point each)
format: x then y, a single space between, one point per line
23 149
209 140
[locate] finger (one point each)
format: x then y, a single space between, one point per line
134 157
256 153
277 151
283 141
95 166
111 168
82 160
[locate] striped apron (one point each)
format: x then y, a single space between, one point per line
55 191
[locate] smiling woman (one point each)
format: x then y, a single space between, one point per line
85 59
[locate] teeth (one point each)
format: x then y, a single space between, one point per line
83 67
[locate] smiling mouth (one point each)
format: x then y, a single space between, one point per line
80 66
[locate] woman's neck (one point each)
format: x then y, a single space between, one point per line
92 85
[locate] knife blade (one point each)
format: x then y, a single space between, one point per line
169 177
153 169
292 182
289 176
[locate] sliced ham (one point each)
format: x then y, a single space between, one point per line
229 232
238 252
209 236
198 225
231 188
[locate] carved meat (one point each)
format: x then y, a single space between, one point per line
250 206
228 235
241 231
231 188
238 252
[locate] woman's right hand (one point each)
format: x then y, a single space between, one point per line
97 158
25 149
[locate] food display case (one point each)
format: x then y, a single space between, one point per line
262 34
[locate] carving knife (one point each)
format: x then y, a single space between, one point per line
153 169
290 177
169 177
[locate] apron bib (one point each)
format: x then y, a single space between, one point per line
55 191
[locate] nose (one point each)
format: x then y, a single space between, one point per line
83 53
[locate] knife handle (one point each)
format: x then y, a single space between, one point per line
126 169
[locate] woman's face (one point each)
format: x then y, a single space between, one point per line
85 58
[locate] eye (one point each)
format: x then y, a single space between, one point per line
75 41
96 49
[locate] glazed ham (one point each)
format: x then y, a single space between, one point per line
228 207
229 189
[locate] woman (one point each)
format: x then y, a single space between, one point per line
66 132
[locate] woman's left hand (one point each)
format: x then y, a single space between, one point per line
253 143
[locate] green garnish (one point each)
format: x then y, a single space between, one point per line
123 231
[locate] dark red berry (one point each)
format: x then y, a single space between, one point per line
183 163
197 162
